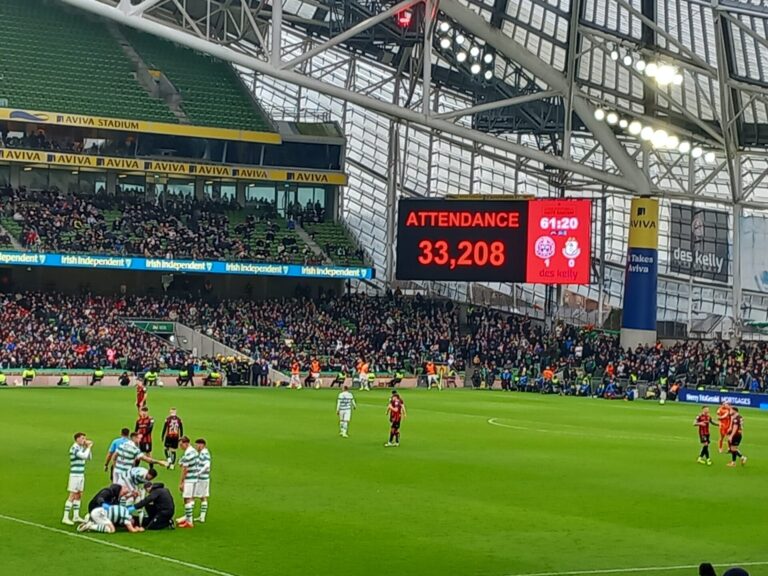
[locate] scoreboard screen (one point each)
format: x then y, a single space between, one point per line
525 241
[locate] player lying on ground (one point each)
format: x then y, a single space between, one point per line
105 497
109 518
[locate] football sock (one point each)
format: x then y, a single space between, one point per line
733 456
737 454
397 437
68 507
391 437
76 509
203 510
101 528
704 452
123 500
189 510
167 455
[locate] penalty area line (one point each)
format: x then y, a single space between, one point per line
495 422
136 551
638 570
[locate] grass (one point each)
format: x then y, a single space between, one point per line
556 485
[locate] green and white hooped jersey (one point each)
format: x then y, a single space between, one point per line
137 476
126 456
77 457
204 465
119 515
345 401
190 461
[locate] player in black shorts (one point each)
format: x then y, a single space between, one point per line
173 429
734 437
144 426
702 422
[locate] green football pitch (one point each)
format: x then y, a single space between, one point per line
484 483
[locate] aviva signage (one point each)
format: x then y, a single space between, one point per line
170 167
143 126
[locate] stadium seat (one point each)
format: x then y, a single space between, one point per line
212 94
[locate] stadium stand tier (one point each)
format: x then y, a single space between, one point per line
393 333
128 224
52 58
336 242
211 92
55 58
51 330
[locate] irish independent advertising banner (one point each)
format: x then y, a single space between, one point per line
698 242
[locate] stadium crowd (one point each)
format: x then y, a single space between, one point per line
52 330
391 333
500 342
128 224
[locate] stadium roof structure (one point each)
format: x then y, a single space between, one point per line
589 98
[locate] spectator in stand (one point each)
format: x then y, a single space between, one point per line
178 227
56 331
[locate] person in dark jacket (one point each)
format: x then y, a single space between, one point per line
109 495
159 506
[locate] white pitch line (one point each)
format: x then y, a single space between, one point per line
637 570
495 422
117 546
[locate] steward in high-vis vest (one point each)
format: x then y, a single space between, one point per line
27 376
341 377
98 376
213 378
399 375
150 377
63 380
183 378
3 379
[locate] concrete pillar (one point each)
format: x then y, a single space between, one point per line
15 176
111 182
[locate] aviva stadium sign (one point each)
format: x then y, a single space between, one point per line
143 126
139 264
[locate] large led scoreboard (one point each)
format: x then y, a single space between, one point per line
531 241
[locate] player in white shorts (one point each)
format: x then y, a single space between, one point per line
79 452
126 458
345 403
108 518
203 484
189 466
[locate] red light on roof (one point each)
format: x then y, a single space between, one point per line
404 18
